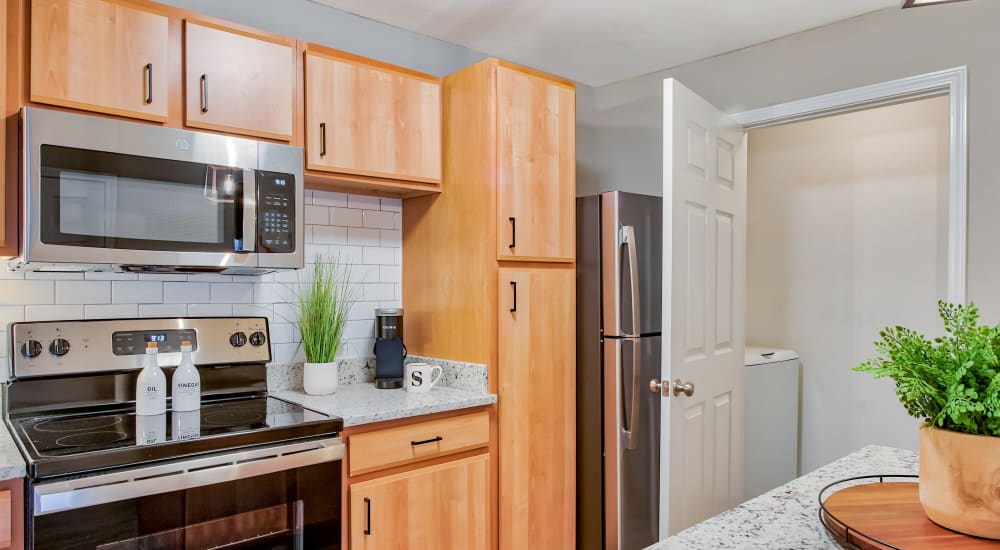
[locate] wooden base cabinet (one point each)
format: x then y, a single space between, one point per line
444 507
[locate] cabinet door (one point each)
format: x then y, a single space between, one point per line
99 56
536 172
372 121
238 83
442 507
537 407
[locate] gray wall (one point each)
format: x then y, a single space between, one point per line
324 25
621 123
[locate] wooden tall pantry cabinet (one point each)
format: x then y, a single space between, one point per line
490 278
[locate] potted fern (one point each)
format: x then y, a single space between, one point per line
953 384
323 302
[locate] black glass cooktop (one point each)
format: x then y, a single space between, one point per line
57 444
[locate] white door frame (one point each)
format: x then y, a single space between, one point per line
954 83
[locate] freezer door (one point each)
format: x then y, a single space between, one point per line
632 487
631 263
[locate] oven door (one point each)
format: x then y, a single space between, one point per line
104 191
285 497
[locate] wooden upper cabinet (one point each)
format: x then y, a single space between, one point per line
238 83
536 366
442 507
536 167
369 119
100 56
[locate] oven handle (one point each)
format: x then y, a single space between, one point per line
61 496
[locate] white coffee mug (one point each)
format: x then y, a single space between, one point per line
420 377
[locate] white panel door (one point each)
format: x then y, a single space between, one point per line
705 202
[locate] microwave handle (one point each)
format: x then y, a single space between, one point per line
248 243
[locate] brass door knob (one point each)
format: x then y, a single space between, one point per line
687 388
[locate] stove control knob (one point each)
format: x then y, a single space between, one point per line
59 347
238 339
257 339
31 349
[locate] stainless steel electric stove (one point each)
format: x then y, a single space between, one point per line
246 471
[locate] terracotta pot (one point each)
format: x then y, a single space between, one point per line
320 378
960 481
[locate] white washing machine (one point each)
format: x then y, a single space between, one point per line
771 448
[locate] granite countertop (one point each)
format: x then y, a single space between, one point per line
788 517
363 403
11 462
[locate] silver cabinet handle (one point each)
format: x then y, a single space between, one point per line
687 388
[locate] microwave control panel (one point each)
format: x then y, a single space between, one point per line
275 212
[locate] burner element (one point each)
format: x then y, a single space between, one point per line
89 439
232 418
78 424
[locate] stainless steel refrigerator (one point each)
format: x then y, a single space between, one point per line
619 280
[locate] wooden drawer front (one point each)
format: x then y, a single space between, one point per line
382 449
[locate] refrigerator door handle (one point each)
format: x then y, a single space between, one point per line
631 422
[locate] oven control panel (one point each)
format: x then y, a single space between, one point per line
133 342
275 212
47 348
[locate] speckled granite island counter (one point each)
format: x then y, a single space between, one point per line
358 401
788 517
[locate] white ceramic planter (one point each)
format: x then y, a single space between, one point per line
320 378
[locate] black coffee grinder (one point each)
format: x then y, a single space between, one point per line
389 348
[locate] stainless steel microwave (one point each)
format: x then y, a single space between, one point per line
140 197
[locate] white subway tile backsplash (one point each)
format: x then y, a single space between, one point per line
136 292
185 293
361 311
18 292
109 276
53 276
345 217
360 232
363 274
363 237
377 255
378 219
83 292
326 234
363 202
162 310
359 329
392 205
329 198
347 255
110 311
52 313
317 215
390 274
8 315
210 310
231 293
392 238
397 220
378 291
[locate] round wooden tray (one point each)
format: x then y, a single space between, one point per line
888 515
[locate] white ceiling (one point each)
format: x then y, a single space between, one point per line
601 41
